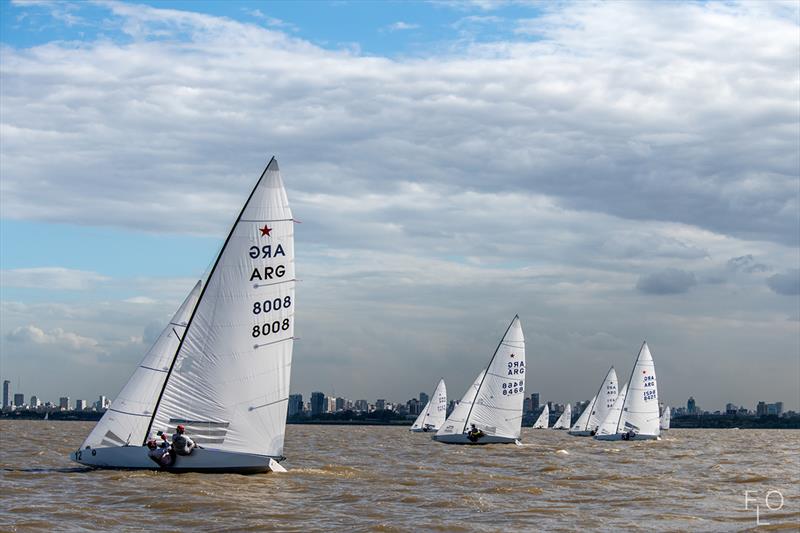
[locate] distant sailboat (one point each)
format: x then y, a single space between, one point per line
47 415
610 422
565 419
544 419
433 415
221 368
638 418
493 404
591 418
665 417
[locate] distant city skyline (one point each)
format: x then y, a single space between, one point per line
612 172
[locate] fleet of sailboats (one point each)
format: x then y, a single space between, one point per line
433 414
221 367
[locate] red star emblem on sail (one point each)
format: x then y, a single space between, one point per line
265 230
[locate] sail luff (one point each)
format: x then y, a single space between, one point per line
200 299
630 379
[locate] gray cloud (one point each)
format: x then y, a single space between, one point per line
668 281
746 264
786 283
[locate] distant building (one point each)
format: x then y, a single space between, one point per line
102 403
295 405
779 408
535 401
80 405
19 400
526 405
414 406
319 404
761 409
450 406
6 395
423 399
340 404
362 405
63 403
380 404
731 409
35 402
691 406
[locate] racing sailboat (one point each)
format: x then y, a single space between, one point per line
591 418
565 419
665 416
493 404
544 418
638 418
221 367
432 416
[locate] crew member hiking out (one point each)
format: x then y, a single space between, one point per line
182 444
474 433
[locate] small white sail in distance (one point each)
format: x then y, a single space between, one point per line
565 419
125 422
583 421
665 418
433 414
544 418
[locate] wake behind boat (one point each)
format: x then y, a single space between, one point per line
433 414
221 368
637 418
491 410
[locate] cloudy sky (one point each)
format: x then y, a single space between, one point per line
612 172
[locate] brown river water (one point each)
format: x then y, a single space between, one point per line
360 478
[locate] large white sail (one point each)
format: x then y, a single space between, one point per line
433 415
127 419
595 413
640 410
665 418
454 425
544 418
610 422
565 419
229 383
497 410
583 420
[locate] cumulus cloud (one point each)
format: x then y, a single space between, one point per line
401 26
52 278
67 339
668 281
786 283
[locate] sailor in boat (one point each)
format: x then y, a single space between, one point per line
159 454
474 433
427 427
182 444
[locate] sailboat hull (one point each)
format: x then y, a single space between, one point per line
582 433
462 439
618 436
201 460
420 430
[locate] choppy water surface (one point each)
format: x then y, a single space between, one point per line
357 478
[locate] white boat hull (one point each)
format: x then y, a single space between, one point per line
201 460
462 439
618 436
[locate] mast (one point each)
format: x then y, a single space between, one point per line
200 298
477 392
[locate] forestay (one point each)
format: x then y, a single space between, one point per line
127 419
456 422
229 383
433 415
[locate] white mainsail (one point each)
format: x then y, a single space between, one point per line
610 422
454 425
544 419
126 421
640 410
497 408
583 420
665 418
433 415
565 419
595 413
229 384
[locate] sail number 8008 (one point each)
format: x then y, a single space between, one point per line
270 327
272 305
